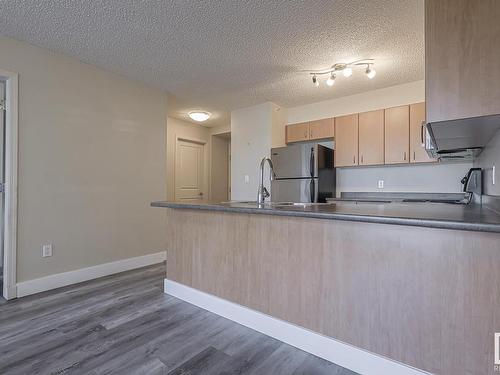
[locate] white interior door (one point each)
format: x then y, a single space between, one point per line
189 171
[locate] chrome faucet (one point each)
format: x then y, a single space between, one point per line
262 194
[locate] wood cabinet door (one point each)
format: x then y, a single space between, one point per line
417 149
462 51
321 129
346 141
297 132
397 135
371 138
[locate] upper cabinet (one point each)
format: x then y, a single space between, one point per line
371 138
297 132
417 121
321 129
384 136
346 141
397 135
312 130
462 54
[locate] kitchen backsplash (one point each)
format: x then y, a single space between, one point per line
435 178
487 159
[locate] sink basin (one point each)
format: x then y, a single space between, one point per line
300 204
277 204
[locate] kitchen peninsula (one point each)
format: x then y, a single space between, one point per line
381 277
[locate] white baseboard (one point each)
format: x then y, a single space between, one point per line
345 355
58 280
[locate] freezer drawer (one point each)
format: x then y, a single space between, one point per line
295 190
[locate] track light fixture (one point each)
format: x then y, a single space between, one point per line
346 69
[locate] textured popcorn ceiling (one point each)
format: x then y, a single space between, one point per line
221 55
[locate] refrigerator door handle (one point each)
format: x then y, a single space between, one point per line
312 190
311 163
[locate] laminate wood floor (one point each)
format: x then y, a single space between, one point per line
125 324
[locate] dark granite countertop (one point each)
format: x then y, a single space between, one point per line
473 217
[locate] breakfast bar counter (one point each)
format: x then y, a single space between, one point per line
381 277
472 217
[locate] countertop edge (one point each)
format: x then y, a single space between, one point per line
428 223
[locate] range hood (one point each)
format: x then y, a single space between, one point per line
461 139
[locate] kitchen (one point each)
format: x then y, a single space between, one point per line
324 243
241 187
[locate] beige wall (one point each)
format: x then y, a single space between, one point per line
91 159
220 129
182 129
219 168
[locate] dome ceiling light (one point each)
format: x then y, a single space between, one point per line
199 116
346 69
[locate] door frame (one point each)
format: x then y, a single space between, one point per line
205 172
10 188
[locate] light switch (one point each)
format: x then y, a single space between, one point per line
247 179
380 184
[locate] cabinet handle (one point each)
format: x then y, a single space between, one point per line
305 134
405 156
414 156
354 160
422 131
362 159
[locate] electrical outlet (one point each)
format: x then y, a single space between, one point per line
46 250
493 176
380 184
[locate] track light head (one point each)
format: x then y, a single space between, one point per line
315 80
347 72
370 72
331 80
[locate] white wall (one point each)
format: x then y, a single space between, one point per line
393 96
91 159
279 121
415 178
487 159
251 138
441 178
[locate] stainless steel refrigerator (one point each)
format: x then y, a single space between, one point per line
304 173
